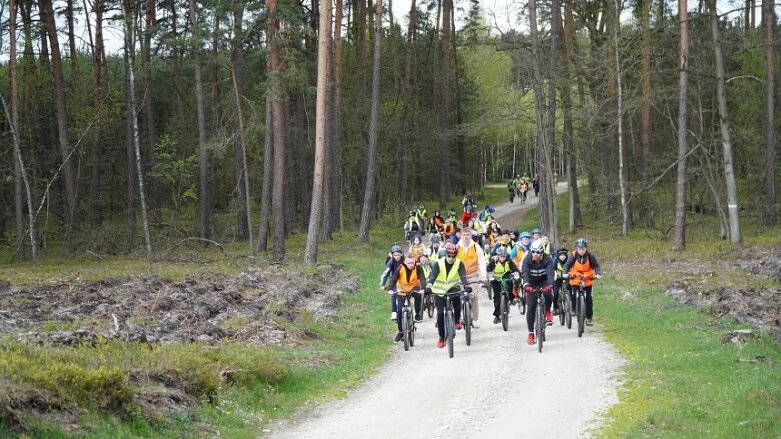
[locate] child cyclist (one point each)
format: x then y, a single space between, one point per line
408 279
559 285
502 269
392 264
583 263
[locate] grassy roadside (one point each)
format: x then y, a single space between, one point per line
275 382
680 380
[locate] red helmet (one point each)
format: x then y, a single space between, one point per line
452 250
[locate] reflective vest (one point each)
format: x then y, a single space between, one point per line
500 269
446 279
433 255
519 254
581 268
469 257
426 270
416 250
408 279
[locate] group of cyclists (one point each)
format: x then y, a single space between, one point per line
465 249
519 186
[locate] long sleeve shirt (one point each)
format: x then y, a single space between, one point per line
537 273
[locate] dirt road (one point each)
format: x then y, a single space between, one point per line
499 387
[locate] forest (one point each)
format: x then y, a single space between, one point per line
222 121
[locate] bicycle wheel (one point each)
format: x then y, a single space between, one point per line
490 291
581 311
467 318
405 328
450 331
539 324
568 311
503 311
429 304
561 310
412 328
522 304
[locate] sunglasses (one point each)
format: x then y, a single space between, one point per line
536 253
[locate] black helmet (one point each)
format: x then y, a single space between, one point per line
561 250
501 251
581 242
434 238
396 248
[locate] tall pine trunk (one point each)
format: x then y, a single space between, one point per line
315 212
547 181
277 72
204 210
374 131
645 81
444 182
404 136
768 41
239 164
620 122
679 240
265 197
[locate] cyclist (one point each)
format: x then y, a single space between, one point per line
425 263
502 269
486 214
436 223
536 233
408 277
521 247
445 276
416 247
468 200
536 184
513 237
392 264
452 216
558 268
503 241
583 263
450 228
537 273
422 214
473 258
511 189
412 226
436 243
523 188
467 215
545 243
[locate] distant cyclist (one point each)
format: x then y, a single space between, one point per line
392 263
408 278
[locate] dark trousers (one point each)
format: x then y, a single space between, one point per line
439 302
400 306
558 285
589 300
531 307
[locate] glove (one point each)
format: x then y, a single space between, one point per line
467 288
597 276
565 276
428 291
391 292
527 288
548 288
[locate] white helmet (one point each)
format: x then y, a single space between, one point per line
536 247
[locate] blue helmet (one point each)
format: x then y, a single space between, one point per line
525 234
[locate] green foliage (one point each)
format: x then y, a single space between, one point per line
175 169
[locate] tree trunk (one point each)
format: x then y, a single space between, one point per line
537 84
130 48
315 212
620 106
237 74
679 242
405 138
146 71
445 153
336 174
374 131
361 21
277 72
768 39
547 181
204 210
645 80
726 138
68 171
265 198
72 41
570 148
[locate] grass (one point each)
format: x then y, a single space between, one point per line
680 380
272 383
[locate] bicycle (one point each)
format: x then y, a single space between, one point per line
580 303
564 304
521 303
428 304
504 304
539 319
450 318
407 319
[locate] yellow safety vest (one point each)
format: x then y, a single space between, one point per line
446 279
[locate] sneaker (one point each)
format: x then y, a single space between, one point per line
589 322
496 320
459 326
549 317
418 318
393 315
475 323
530 339
398 338
441 343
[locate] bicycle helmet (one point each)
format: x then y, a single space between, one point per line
536 247
452 250
501 251
395 248
434 238
468 208
561 250
525 234
442 252
581 242
536 230
414 208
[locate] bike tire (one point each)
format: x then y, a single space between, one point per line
430 307
581 311
503 311
568 312
490 291
522 305
467 317
539 325
562 311
450 329
412 332
405 329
